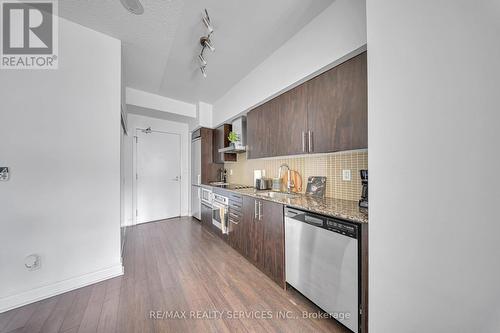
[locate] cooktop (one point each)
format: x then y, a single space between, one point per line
230 186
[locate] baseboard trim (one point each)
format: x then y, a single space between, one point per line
37 294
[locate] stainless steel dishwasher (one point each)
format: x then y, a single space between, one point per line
322 262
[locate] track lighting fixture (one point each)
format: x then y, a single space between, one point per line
202 60
134 6
206 21
205 42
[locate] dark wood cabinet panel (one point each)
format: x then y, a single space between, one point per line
262 129
325 114
254 231
208 167
247 221
292 122
273 260
262 227
236 237
256 132
220 140
337 108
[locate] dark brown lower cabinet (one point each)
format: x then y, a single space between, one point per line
236 236
263 226
273 259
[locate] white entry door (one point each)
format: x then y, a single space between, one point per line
158 176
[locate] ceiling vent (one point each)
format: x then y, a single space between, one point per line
133 6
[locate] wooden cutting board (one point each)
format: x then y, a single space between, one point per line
296 181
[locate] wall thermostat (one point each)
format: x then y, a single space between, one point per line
4 173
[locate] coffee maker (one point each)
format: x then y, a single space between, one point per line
363 202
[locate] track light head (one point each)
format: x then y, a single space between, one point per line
206 21
202 60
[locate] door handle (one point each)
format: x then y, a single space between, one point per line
310 141
176 178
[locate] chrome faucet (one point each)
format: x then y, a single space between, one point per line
289 183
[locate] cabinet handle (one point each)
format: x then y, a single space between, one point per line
255 210
260 211
303 141
310 141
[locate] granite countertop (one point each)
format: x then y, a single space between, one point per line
345 209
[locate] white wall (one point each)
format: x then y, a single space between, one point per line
434 120
60 135
138 121
156 102
334 34
205 114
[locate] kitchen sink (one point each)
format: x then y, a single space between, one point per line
277 195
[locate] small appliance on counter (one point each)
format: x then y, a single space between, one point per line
316 186
363 202
277 184
264 183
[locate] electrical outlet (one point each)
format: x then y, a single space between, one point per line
346 175
230 172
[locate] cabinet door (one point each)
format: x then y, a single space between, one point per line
273 259
292 122
247 220
337 107
262 129
256 139
235 236
253 230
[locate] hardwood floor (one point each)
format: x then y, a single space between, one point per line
174 265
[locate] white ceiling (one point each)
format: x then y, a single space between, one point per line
160 47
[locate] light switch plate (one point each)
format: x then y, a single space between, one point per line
346 175
4 173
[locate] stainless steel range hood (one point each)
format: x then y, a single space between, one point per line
239 126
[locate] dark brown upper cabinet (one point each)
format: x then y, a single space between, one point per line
209 169
325 114
221 141
259 132
337 116
291 129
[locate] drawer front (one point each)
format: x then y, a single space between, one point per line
235 197
236 205
234 214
